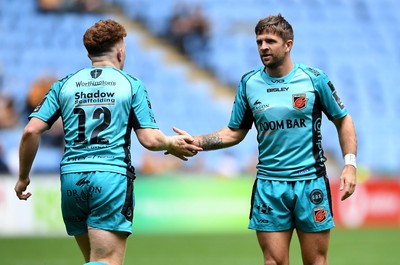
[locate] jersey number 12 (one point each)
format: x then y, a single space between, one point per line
94 138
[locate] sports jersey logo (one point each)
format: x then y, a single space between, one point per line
335 95
269 126
39 106
278 80
98 97
82 182
316 196
320 214
259 107
84 191
264 208
277 89
312 70
96 73
299 101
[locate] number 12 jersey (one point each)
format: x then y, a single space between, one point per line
99 108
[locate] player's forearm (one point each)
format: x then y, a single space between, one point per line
347 136
152 139
159 142
27 151
223 138
210 141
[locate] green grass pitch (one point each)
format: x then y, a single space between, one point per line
348 247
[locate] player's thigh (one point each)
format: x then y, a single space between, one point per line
271 206
313 208
112 202
107 246
314 246
275 246
103 200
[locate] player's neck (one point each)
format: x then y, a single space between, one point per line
103 63
106 60
280 70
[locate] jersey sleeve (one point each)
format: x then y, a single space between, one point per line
49 109
241 116
143 116
333 106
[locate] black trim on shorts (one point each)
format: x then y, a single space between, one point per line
128 209
328 191
252 198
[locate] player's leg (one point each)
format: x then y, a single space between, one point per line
107 246
271 217
314 247
84 245
314 219
110 220
275 246
75 211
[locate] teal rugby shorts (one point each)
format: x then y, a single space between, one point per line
102 200
281 205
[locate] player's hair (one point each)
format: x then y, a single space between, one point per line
102 36
276 25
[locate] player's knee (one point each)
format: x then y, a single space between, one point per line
101 252
275 261
318 260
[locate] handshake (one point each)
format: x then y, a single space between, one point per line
182 145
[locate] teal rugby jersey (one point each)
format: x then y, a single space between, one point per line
99 107
287 114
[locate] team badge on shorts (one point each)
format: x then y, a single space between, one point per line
316 196
299 101
320 214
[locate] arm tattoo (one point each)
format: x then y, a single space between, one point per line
211 142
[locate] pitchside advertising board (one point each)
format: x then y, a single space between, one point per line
189 204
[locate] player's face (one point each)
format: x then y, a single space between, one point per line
273 49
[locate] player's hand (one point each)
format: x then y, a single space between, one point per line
348 181
182 145
182 132
20 188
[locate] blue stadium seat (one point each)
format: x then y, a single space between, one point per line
354 42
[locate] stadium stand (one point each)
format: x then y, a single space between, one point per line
50 44
354 42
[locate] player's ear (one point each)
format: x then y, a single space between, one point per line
119 54
289 45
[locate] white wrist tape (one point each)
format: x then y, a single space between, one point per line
350 159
